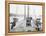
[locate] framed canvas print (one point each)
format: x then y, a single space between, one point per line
24 17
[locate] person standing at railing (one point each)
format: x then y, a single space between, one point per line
13 23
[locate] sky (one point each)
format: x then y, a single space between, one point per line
34 10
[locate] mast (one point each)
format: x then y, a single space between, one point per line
24 11
28 11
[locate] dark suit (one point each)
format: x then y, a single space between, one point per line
13 24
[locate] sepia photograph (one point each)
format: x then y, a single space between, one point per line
25 18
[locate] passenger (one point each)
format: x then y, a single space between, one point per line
38 23
13 23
